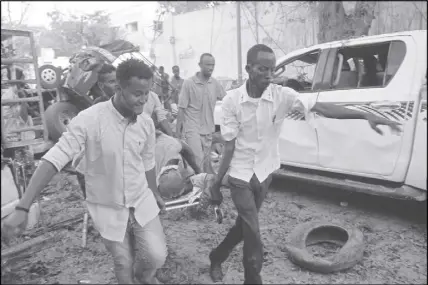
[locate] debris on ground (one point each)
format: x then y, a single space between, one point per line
396 247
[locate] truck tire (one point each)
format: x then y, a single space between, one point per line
311 233
50 76
57 116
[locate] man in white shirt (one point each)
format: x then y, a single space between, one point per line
252 119
118 142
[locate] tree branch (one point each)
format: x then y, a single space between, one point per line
23 12
9 13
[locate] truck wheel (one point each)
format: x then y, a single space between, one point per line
50 76
351 241
57 116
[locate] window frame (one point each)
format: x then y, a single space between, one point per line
328 77
319 68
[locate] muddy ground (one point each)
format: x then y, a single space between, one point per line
395 234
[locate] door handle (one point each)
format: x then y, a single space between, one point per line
386 104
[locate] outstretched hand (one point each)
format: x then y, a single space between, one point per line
13 225
376 121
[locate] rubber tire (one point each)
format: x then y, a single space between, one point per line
348 256
53 121
47 84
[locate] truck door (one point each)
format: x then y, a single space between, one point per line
298 145
374 76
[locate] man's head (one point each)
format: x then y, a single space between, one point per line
107 79
161 69
172 184
260 65
207 63
135 80
176 71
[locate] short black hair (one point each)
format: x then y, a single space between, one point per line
204 55
175 66
253 52
161 68
106 69
133 68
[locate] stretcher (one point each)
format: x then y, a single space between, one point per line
194 197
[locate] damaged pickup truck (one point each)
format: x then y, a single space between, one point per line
384 75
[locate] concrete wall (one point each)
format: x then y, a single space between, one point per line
144 14
291 25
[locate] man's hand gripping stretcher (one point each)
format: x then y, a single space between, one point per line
180 187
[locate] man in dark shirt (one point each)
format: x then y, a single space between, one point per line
176 83
164 86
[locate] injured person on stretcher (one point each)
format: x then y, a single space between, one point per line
179 178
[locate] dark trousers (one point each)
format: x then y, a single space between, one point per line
248 198
81 181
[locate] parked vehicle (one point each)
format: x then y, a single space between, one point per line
77 84
384 75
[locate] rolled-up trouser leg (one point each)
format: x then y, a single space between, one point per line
123 257
151 251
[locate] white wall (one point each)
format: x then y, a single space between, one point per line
144 13
291 24
214 30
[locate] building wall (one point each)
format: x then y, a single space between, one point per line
284 26
143 14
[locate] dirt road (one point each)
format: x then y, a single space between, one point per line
396 242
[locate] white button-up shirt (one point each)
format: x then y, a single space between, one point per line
256 125
116 155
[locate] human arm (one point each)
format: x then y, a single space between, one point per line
334 111
229 131
148 156
189 156
161 115
183 103
70 144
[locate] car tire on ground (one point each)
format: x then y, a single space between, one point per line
57 116
311 233
50 76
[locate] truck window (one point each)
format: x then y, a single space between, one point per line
299 71
368 66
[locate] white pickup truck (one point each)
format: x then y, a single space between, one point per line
384 75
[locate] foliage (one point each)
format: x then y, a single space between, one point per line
181 7
6 16
69 33
336 24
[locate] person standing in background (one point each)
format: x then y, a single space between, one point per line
164 87
196 102
106 82
156 82
176 83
